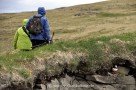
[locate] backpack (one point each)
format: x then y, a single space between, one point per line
35 25
24 28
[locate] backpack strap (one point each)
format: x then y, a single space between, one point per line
24 28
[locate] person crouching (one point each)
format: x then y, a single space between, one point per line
21 38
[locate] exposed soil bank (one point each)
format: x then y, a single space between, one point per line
67 79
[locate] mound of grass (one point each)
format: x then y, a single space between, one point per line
98 50
85 34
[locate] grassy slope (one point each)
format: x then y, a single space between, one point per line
83 28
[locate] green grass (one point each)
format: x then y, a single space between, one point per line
90 46
103 14
106 14
24 73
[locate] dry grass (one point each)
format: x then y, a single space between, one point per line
94 20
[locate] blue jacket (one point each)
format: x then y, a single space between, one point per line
45 35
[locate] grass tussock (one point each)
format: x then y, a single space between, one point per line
98 51
96 33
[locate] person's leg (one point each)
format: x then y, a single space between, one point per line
40 42
34 42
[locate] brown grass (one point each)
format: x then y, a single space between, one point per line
105 18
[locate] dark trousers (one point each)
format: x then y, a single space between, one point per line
36 43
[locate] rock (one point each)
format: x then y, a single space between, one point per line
123 70
102 79
127 80
5 78
112 79
70 83
130 87
67 80
2 86
106 87
54 85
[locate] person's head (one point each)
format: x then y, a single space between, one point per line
25 22
42 11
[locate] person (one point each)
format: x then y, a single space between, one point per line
21 38
45 35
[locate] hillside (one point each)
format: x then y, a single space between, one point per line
105 18
89 40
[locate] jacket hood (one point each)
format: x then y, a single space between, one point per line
25 21
42 11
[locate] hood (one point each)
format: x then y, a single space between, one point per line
25 21
42 11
